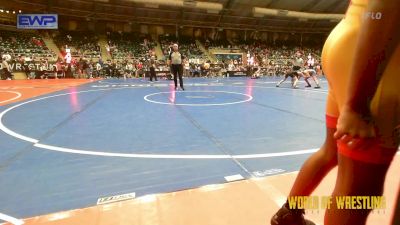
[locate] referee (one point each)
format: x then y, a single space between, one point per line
298 63
176 61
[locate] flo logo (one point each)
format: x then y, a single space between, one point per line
373 15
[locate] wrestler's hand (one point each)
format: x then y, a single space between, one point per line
354 129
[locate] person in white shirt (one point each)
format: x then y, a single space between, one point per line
68 56
43 70
6 68
129 69
187 68
250 64
7 56
310 72
231 69
310 61
108 49
98 69
175 61
152 68
68 59
296 72
206 67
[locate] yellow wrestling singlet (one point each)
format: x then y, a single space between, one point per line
337 58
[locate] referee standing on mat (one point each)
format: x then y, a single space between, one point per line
176 63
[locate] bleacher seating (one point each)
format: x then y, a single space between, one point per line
82 44
134 48
25 44
273 59
220 43
187 46
130 45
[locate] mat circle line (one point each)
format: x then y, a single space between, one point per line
127 155
11 99
249 98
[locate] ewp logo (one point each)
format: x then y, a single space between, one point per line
37 21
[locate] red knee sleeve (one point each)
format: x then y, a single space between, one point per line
373 153
331 121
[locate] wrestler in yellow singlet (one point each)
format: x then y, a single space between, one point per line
337 59
361 114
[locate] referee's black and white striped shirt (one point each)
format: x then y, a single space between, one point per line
176 58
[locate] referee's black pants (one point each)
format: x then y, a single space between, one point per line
7 74
177 70
153 74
